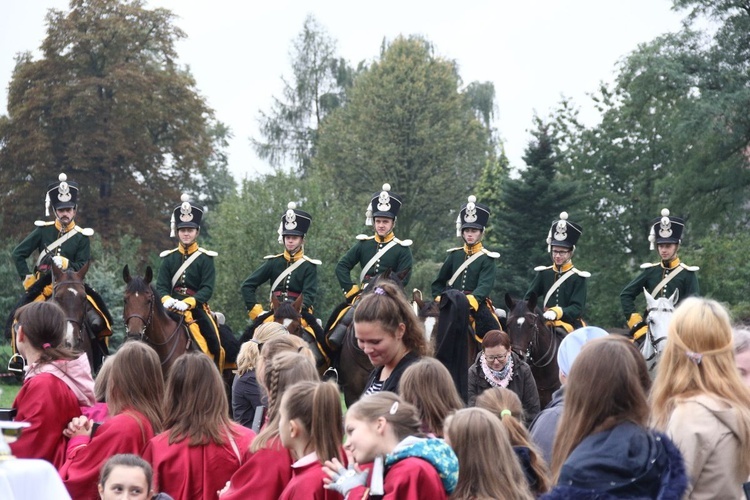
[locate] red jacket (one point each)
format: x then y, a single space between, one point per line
48 404
307 480
264 475
196 472
409 479
127 432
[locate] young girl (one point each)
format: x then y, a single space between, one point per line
310 428
384 425
428 385
488 468
388 331
125 474
699 399
267 472
134 395
99 412
603 448
57 384
505 405
201 447
246 391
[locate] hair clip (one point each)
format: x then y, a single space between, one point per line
394 408
378 291
46 345
695 357
505 413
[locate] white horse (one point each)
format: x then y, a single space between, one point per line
658 315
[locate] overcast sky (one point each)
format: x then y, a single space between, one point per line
533 51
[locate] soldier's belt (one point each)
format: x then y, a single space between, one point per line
279 293
184 290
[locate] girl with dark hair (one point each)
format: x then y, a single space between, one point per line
497 366
384 429
56 385
389 332
200 447
310 428
134 396
428 385
267 472
603 448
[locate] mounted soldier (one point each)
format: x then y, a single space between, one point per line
186 279
379 252
471 268
561 285
62 243
661 278
292 275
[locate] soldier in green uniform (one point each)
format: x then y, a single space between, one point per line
661 278
291 273
561 287
187 275
62 243
471 267
379 252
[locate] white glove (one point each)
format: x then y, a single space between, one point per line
550 315
58 261
347 479
169 303
500 313
180 306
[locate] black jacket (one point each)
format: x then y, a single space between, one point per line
391 383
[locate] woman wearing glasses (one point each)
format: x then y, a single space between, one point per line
497 366
561 288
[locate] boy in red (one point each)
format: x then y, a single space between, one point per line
383 425
134 395
57 384
201 447
310 427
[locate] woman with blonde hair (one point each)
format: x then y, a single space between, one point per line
741 336
246 391
603 448
200 447
487 466
700 400
505 404
428 385
267 472
390 334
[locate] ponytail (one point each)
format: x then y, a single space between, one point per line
317 406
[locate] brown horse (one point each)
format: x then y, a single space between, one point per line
146 320
69 291
534 343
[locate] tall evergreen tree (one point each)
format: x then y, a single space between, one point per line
530 203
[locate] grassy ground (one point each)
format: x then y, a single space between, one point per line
8 390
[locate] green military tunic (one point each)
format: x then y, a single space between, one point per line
570 296
398 258
477 279
303 280
197 281
653 273
77 249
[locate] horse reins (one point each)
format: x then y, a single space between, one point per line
541 363
77 322
655 342
146 323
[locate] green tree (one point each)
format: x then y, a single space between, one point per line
318 86
407 123
529 205
108 105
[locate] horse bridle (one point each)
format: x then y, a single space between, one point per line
655 342
543 362
78 322
146 323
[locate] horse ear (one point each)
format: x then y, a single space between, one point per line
403 274
509 302
274 302
126 274
83 270
675 296
56 272
416 296
532 301
298 303
149 275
